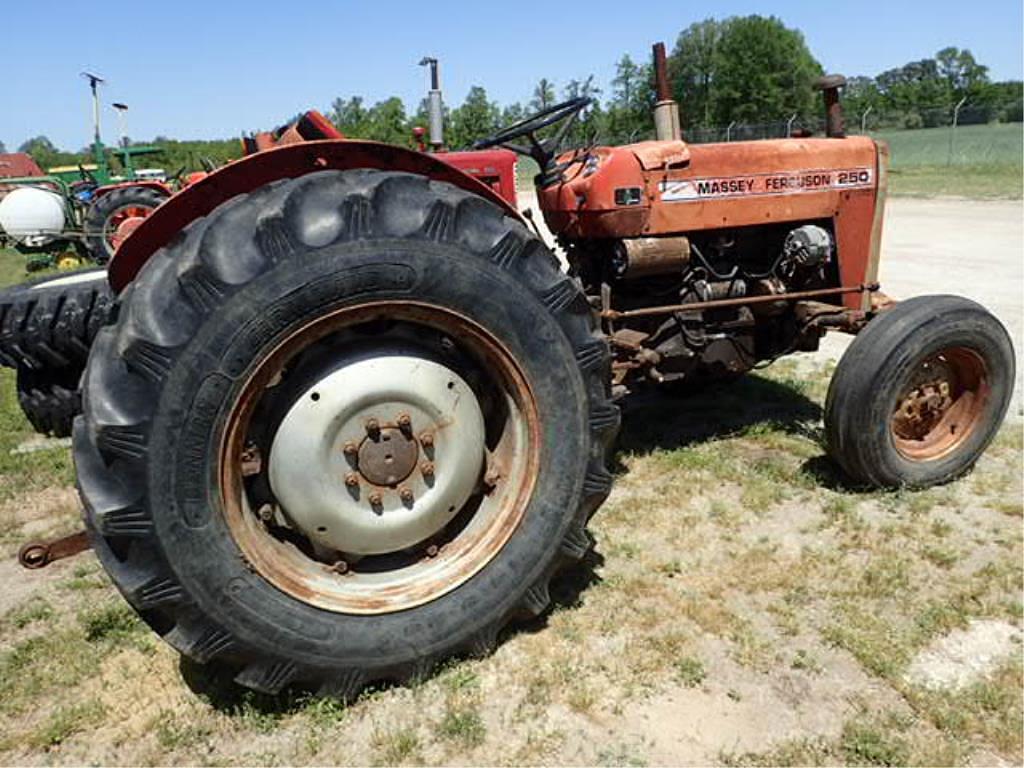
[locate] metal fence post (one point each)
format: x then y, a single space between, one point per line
864 119
952 129
728 131
789 126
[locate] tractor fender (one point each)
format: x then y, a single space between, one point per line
284 162
157 185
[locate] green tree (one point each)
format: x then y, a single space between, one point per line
763 72
693 67
350 117
475 118
543 95
628 113
386 121
3 148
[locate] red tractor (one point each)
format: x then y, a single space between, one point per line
352 415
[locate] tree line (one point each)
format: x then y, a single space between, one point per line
748 69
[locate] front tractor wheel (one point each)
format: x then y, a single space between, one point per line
349 425
920 393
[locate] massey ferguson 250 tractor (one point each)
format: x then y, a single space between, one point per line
350 415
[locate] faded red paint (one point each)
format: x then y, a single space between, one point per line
283 162
584 205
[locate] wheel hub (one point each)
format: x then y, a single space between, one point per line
345 462
387 457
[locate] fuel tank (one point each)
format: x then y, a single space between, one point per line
669 187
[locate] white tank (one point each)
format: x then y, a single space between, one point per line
32 216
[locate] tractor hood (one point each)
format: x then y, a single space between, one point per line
669 187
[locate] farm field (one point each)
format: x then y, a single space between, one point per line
987 161
743 604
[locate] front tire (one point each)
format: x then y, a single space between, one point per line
231 490
920 393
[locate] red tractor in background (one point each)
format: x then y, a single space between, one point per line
352 415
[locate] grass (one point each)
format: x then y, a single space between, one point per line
986 161
732 564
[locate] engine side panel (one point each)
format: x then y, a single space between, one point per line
723 186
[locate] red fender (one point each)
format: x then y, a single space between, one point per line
285 162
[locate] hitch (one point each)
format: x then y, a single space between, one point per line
39 554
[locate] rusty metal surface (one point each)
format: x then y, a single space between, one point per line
39 554
282 162
387 456
941 405
662 88
698 306
512 464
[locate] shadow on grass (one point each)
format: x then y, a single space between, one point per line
668 420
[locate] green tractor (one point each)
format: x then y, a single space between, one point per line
79 213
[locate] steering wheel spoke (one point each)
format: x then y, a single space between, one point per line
541 150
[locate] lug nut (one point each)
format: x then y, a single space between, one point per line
351 449
406 494
374 499
427 439
432 550
491 478
372 427
427 468
404 421
340 567
352 480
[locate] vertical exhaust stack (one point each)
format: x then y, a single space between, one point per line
435 107
829 86
666 111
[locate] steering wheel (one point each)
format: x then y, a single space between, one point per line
541 150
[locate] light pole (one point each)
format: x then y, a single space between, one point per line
97 146
122 120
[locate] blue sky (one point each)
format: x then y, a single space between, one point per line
215 68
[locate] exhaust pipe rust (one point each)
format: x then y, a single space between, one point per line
667 126
829 86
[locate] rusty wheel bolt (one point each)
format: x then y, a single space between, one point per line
427 468
266 512
406 494
404 421
341 566
432 550
491 478
351 449
372 427
427 439
352 480
375 499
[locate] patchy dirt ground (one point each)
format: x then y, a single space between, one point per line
743 605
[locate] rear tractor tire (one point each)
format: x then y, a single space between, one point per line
110 210
920 393
347 426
